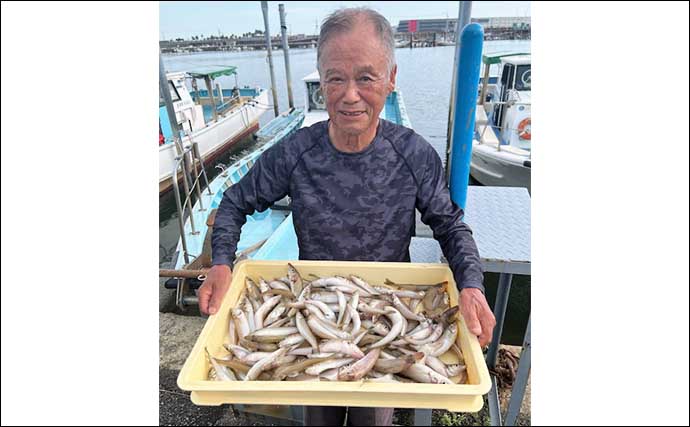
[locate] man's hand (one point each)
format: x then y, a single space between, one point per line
478 316
213 290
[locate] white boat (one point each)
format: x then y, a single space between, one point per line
502 150
402 43
214 118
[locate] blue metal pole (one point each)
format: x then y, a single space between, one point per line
465 109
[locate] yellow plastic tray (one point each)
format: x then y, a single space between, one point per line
456 397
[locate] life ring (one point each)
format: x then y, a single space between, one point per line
317 98
525 129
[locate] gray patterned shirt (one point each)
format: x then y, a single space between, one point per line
353 206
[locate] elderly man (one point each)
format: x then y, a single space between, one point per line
355 182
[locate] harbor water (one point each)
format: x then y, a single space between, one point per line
423 77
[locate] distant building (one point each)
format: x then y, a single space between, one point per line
447 25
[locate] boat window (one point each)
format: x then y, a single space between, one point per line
524 77
173 92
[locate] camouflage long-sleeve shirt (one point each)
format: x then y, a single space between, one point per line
353 206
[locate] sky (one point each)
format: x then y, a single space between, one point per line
185 19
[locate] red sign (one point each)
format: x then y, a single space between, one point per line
412 26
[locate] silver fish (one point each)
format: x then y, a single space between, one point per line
241 322
251 289
222 373
277 284
330 375
275 314
232 330
237 351
422 330
295 368
327 312
234 364
292 340
329 364
323 331
394 366
272 334
301 351
261 365
306 292
363 284
388 378
356 323
424 374
263 311
442 345
249 311
296 284
281 361
327 297
279 323
342 302
437 365
263 286
436 333
286 293
341 346
360 368
395 330
252 358
249 344
417 287
405 310
305 331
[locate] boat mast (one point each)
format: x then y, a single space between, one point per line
264 9
286 52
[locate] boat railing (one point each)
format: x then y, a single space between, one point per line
191 166
481 128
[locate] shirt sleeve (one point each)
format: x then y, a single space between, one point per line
265 183
445 219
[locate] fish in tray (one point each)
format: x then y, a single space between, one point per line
340 329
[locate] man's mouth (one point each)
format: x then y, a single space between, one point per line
352 113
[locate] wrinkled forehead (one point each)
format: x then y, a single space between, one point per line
359 49
336 69
353 59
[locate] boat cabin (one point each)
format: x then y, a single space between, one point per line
507 102
197 109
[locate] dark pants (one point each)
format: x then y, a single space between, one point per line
335 416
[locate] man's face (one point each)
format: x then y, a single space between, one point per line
355 80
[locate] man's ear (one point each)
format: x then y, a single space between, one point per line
391 79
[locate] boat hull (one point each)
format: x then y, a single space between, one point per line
214 139
165 184
499 168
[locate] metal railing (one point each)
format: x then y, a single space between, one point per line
191 166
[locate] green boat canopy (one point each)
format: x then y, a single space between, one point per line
495 58
212 71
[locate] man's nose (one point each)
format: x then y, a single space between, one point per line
351 92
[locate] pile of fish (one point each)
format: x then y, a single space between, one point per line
340 329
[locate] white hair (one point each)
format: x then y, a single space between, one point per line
342 21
